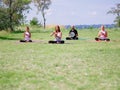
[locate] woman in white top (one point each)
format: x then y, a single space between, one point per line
27 36
102 35
58 35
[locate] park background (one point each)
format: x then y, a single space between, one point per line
82 64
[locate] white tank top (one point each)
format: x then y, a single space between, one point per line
27 36
59 34
103 34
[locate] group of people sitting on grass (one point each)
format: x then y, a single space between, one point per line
73 35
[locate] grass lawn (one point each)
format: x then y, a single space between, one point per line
76 65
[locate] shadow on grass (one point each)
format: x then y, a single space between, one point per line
7 38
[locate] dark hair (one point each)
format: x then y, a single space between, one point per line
27 27
58 28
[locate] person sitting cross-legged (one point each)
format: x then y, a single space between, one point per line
102 35
27 36
58 36
73 34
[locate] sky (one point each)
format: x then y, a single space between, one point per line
77 12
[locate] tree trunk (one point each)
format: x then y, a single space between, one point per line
44 23
44 20
10 16
11 23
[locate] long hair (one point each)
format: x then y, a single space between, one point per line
27 28
57 28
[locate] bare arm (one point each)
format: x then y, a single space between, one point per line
52 33
24 35
30 34
106 34
99 33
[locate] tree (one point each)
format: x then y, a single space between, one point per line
13 11
42 5
34 21
116 11
3 17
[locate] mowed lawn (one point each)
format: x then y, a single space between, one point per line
76 65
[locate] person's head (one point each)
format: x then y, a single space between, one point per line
57 28
103 27
27 29
73 27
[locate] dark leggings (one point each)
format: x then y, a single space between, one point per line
59 42
71 38
99 39
25 41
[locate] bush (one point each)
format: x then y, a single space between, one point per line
34 21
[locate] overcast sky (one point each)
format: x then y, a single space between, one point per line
76 12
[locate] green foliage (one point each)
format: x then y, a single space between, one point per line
116 11
3 19
117 21
34 21
13 13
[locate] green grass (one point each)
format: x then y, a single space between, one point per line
76 65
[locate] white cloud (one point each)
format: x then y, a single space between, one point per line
93 13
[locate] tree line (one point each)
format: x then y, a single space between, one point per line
11 12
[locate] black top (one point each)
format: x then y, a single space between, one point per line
73 33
